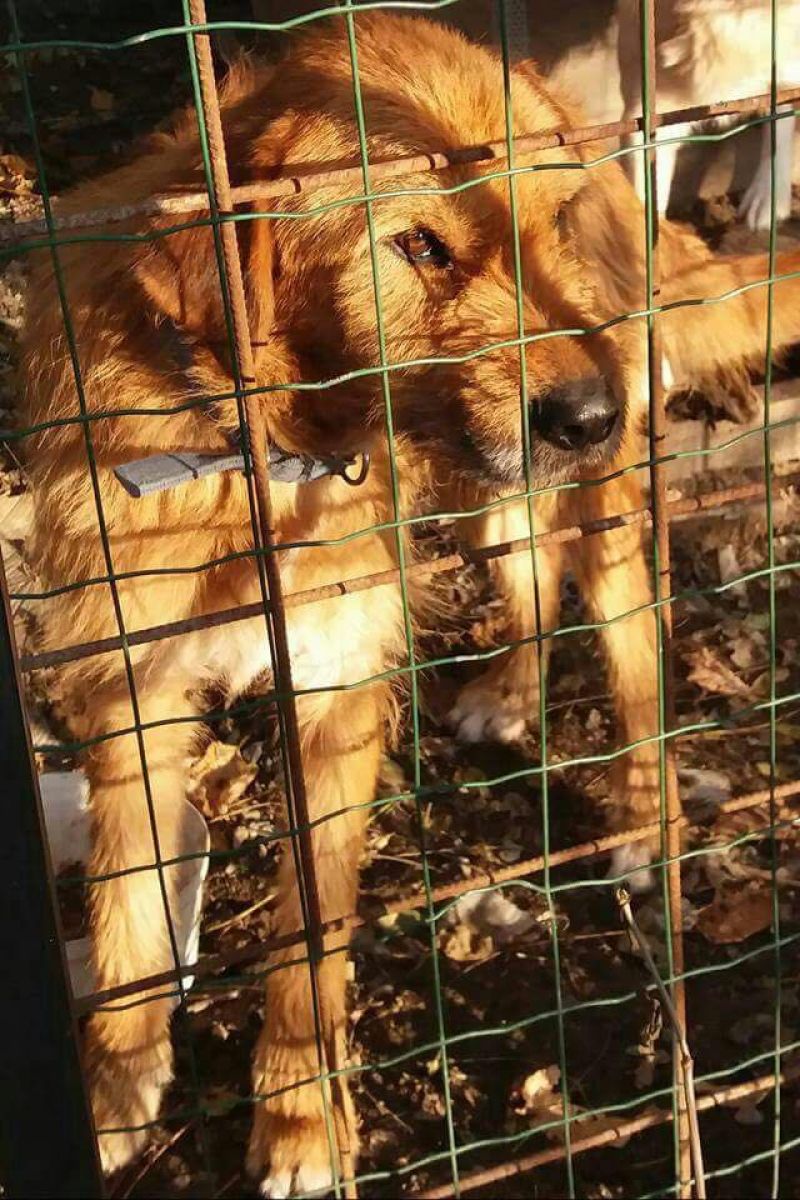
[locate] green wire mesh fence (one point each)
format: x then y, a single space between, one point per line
459 1164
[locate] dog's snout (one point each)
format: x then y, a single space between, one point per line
575 415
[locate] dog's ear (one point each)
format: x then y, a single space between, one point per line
180 275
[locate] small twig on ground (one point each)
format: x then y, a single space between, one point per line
235 1178
241 916
593 934
405 860
150 1162
687 1062
385 1111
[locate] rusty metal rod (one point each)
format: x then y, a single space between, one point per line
680 507
291 185
670 795
605 1137
212 963
297 794
301 180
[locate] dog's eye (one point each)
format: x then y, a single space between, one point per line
422 248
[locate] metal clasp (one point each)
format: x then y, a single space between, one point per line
355 480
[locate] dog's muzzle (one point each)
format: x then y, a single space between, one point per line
576 416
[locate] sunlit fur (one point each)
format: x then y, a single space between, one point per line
708 51
150 335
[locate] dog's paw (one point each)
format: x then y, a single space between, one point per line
631 865
293 1149
755 208
117 1150
291 1158
488 710
302 1180
127 1101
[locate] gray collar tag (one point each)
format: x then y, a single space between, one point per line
161 472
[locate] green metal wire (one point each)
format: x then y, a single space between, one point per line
715 848
352 43
420 791
422 1051
525 439
387 193
366 372
239 386
519 1139
140 39
516 1139
425 519
438 789
734 1168
653 368
773 615
106 547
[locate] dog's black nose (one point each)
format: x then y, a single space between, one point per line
575 415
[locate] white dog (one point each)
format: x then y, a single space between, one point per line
709 51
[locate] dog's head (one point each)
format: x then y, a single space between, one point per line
474 324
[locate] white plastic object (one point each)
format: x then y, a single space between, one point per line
65 801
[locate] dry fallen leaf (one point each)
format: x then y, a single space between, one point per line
539 1087
703 789
219 778
736 912
729 826
16 516
538 1099
479 922
753 1028
710 673
16 523
646 1049
465 944
730 569
101 101
746 647
492 913
16 175
747 1107
747 1114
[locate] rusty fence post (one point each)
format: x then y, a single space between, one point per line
663 590
257 434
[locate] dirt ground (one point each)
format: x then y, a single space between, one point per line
496 965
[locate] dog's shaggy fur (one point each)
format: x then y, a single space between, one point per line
149 329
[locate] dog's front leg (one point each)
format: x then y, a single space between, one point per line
756 205
128 1050
499 703
615 580
293 1144
667 161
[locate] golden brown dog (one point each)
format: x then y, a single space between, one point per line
149 330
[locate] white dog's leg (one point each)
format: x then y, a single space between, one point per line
636 164
756 206
631 864
666 161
